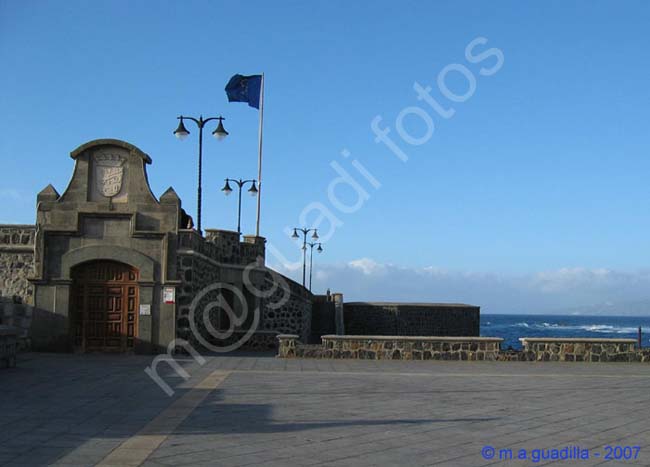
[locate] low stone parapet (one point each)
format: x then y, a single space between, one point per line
574 349
643 355
411 347
287 344
536 349
393 347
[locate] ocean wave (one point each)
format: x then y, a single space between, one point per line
512 328
561 327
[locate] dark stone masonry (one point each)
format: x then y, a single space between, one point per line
220 258
411 319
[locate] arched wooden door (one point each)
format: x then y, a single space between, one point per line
104 306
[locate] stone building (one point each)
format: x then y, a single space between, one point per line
110 267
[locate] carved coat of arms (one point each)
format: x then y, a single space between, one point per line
109 174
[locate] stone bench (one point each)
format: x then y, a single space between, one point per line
575 349
8 340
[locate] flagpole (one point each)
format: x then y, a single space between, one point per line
259 160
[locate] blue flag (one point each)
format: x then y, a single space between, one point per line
245 89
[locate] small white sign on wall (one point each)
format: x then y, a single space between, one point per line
169 295
145 310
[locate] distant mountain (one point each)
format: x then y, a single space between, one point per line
638 308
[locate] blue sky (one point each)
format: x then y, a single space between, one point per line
542 170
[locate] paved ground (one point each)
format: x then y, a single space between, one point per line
249 410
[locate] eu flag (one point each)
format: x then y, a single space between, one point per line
245 89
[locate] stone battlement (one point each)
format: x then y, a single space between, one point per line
223 246
18 237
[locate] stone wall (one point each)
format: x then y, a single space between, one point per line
395 348
288 309
224 246
283 305
580 350
463 348
288 345
323 317
17 261
411 319
643 355
195 273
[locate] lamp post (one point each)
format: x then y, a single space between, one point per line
182 133
240 183
304 246
311 258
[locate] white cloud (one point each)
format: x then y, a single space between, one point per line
546 291
367 266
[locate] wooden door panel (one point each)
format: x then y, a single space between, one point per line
104 303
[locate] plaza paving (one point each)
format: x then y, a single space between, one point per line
238 410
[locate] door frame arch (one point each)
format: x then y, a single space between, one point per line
147 284
135 259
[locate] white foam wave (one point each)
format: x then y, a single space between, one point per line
560 327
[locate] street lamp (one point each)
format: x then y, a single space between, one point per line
311 257
304 246
240 183
182 133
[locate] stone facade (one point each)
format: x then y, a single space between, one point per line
17 262
394 348
411 319
107 213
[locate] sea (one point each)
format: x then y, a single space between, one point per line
512 327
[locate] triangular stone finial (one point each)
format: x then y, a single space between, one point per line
48 193
170 197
